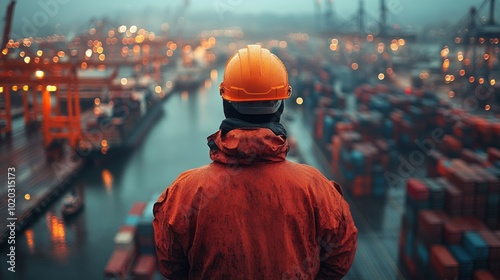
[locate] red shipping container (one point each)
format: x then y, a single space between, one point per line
145 268
450 146
468 204
435 158
493 244
361 186
470 224
472 158
453 199
491 182
430 227
383 148
444 167
344 127
480 206
443 262
493 155
128 228
119 264
452 232
483 275
486 132
137 208
320 116
463 179
416 189
348 139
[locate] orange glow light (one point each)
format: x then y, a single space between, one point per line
30 239
107 179
39 74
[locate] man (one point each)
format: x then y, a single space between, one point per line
251 214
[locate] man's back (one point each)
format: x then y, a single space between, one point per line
253 215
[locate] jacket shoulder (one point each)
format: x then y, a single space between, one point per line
311 174
182 182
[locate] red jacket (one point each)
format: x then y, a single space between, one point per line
251 214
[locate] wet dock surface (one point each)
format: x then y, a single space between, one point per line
80 247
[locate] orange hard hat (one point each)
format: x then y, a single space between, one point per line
255 74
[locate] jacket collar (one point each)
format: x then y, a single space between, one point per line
239 142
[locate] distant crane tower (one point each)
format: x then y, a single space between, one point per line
361 17
329 13
479 40
492 13
327 16
8 24
383 17
317 12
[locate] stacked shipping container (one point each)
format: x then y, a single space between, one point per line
134 255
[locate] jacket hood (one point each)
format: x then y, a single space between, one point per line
247 146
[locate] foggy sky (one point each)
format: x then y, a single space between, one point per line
75 12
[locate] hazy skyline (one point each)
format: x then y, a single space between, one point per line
41 15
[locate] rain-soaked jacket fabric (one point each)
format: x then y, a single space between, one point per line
251 214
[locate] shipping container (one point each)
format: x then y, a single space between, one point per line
484 275
144 268
443 262
119 264
466 264
124 240
137 208
477 248
430 227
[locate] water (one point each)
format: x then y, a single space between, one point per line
52 248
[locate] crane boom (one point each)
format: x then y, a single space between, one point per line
8 23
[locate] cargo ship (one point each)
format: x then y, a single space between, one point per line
121 118
192 69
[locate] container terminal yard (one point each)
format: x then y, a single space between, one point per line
98 115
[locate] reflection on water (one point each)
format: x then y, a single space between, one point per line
184 95
30 240
57 233
208 83
214 74
107 179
